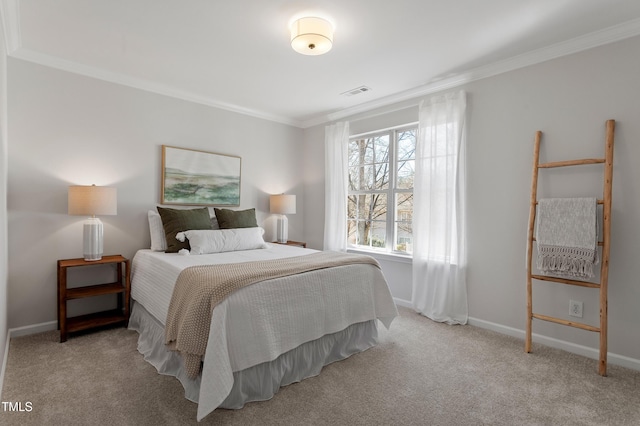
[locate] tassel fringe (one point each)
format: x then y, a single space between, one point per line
567 261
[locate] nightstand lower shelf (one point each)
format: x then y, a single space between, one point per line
85 322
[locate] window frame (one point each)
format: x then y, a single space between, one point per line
391 192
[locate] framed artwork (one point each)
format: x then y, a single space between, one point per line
199 178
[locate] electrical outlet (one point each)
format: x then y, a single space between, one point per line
575 308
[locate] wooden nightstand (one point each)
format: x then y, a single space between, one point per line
121 287
293 243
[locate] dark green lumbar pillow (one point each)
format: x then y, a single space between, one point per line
175 220
230 219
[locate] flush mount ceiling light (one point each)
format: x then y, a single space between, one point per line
311 36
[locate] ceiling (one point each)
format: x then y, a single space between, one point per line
236 54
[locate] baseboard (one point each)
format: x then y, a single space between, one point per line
33 329
402 302
586 351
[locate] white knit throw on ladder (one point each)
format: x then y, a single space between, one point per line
566 237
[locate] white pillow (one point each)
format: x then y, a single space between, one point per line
158 239
221 240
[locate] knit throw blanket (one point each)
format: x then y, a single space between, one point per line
566 237
199 289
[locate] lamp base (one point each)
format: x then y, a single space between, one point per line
283 229
92 239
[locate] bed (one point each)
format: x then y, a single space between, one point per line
265 335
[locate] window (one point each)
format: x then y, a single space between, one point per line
380 199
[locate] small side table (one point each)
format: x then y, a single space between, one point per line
121 287
293 243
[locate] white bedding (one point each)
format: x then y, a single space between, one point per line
260 322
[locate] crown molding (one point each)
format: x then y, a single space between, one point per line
588 41
10 17
142 84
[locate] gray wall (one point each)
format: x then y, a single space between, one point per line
3 198
68 129
569 99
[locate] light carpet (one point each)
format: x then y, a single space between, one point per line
421 373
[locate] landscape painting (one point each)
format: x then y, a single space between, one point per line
199 178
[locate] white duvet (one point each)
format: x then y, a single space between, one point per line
260 322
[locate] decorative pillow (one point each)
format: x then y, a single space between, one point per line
231 219
158 240
174 221
221 240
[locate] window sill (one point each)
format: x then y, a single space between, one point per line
393 257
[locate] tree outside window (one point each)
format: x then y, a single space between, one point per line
380 200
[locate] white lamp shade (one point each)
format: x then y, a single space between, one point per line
92 200
311 36
282 204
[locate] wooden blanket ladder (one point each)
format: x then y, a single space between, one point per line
604 244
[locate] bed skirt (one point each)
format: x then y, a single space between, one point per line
260 382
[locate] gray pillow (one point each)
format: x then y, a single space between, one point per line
175 220
230 219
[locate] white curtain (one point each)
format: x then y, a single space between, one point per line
336 151
439 222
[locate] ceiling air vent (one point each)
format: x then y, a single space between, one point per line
356 91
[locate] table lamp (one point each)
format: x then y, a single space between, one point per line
282 205
92 200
